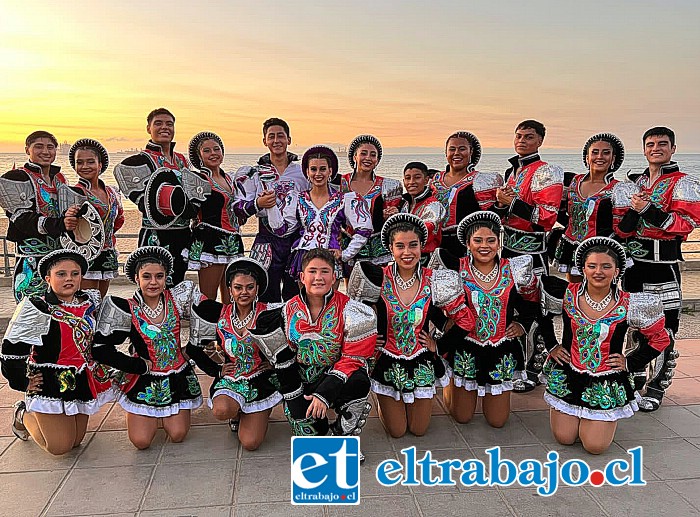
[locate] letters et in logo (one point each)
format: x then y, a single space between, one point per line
325 470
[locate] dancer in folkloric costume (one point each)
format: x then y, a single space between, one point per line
320 342
262 187
528 205
588 381
90 160
46 352
657 213
420 200
383 195
29 196
588 200
502 295
216 237
243 391
461 189
407 298
159 382
322 213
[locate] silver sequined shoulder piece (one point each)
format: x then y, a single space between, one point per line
16 195
273 342
195 186
435 261
391 188
433 212
112 318
132 178
546 176
201 330
445 286
487 181
360 287
185 294
522 269
622 193
94 296
28 324
644 310
687 188
360 320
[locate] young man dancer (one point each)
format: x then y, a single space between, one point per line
261 187
658 212
529 204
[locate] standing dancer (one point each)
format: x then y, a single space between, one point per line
383 196
158 382
242 391
262 187
407 298
29 196
588 200
461 189
488 358
657 214
216 237
46 353
588 381
528 205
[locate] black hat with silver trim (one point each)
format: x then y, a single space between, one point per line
197 139
473 140
99 149
609 243
357 142
473 218
148 253
399 219
247 265
55 256
614 141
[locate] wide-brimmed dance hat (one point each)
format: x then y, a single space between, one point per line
150 253
614 141
473 140
247 265
398 219
88 237
358 141
324 151
164 199
195 159
102 153
609 243
55 256
472 219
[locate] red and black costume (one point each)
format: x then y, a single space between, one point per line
653 241
35 222
426 206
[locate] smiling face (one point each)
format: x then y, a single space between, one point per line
458 152
244 290
415 181
64 278
151 280
318 172
406 248
42 152
276 140
162 129
317 277
87 164
211 154
526 141
600 269
658 149
483 246
366 158
600 157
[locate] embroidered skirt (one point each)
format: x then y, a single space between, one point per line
409 379
487 368
211 245
104 266
608 397
253 394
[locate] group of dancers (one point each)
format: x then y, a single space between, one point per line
447 284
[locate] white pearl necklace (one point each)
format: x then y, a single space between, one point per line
405 285
597 306
238 323
153 313
488 278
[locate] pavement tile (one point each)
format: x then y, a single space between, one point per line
681 421
181 485
206 511
526 502
277 442
28 456
8 396
685 391
205 443
96 420
441 434
689 366
275 509
27 493
390 506
262 480
479 433
204 416
537 422
695 409
688 489
115 419
673 458
374 437
6 416
5 443
642 426
483 503
113 448
531 401
102 489
656 498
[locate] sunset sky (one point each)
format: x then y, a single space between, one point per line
409 72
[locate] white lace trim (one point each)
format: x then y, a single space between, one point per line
100 275
491 389
158 412
51 406
247 407
604 415
423 392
